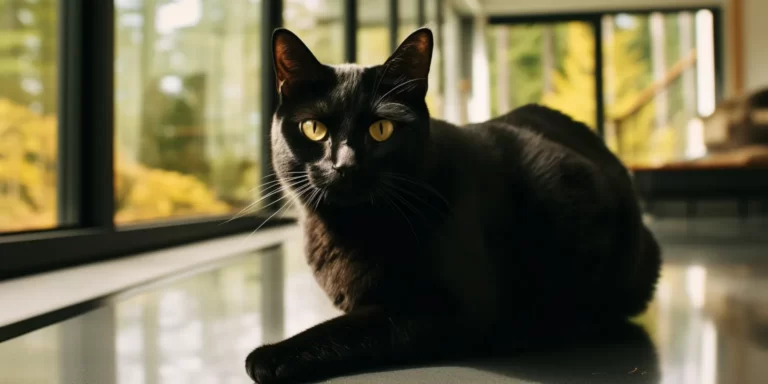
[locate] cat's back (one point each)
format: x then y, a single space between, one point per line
561 129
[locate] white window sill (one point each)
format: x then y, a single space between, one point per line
28 297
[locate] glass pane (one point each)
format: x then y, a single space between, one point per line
407 18
673 53
187 102
28 114
550 64
318 23
373 32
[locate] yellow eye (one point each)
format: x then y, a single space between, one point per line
313 129
381 130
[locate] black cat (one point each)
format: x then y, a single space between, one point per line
440 241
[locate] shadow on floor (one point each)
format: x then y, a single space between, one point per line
622 353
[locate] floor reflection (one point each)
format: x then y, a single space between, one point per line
708 324
621 353
184 333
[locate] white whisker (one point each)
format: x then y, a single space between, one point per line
303 191
274 189
397 87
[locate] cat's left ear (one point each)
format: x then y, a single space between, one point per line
412 58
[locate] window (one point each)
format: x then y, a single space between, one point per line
184 85
658 76
28 115
318 24
671 51
373 33
548 63
187 111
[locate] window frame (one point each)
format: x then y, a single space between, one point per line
594 18
86 230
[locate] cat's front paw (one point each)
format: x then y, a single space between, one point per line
264 365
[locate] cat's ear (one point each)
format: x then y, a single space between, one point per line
293 61
413 57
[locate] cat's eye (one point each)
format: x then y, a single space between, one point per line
381 130
313 129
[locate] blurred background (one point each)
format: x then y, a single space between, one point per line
134 126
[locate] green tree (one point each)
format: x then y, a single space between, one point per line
28 53
28 91
525 61
523 58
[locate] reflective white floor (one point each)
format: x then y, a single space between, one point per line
709 324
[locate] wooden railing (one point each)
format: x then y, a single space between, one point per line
647 96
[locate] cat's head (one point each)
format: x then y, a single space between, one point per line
340 130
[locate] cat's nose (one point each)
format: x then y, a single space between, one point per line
344 170
346 161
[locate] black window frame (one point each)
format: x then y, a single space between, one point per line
86 230
594 18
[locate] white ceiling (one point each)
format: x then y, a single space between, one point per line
376 11
512 7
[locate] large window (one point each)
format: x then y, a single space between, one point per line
128 125
318 23
28 114
657 77
548 63
187 107
672 53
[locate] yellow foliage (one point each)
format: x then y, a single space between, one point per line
155 193
28 161
433 104
27 168
574 93
574 88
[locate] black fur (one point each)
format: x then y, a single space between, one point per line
444 241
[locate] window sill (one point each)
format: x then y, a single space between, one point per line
35 301
36 252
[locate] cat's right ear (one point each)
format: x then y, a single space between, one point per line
411 60
293 61
414 55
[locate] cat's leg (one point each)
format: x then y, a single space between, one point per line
362 339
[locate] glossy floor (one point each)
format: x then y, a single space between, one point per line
708 324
